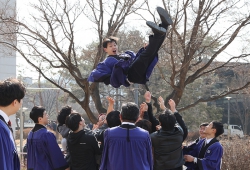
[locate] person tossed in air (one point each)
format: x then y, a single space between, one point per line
127 68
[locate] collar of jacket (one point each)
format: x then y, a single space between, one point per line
115 56
175 130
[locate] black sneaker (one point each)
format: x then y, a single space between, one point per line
165 17
155 28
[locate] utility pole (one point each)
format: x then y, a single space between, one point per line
228 117
136 93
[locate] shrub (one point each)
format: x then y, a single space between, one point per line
236 154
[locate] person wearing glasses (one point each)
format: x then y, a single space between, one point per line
43 151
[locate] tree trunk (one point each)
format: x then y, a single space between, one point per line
246 124
94 92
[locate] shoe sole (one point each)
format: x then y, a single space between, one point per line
165 17
155 27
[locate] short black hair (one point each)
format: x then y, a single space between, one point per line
36 112
109 40
64 112
219 128
167 120
11 89
145 124
204 124
130 112
113 119
72 121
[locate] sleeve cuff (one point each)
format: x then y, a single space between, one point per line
195 160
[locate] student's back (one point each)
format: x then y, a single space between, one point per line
82 150
167 148
43 151
167 142
122 154
127 146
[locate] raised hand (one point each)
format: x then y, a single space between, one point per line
188 158
95 126
147 96
111 100
171 103
111 104
161 103
143 107
158 127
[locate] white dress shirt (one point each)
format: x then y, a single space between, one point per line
208 140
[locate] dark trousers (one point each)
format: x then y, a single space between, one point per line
179 168
137 70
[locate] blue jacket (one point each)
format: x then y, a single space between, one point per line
43 150
113 70
191 150
120 154
8 155
212 156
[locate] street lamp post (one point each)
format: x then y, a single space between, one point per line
136 93
23 109
228 117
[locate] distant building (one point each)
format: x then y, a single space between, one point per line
7 55
7 66
27 81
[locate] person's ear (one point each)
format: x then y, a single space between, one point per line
105 49
14 102
81 122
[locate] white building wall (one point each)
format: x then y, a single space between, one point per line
7 55
7 67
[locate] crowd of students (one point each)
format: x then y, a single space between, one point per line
128 139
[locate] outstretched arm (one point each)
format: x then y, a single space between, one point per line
179 119
111 104
152 119
161 103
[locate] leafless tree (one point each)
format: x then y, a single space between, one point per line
51 41
189 48
201 32
240 101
